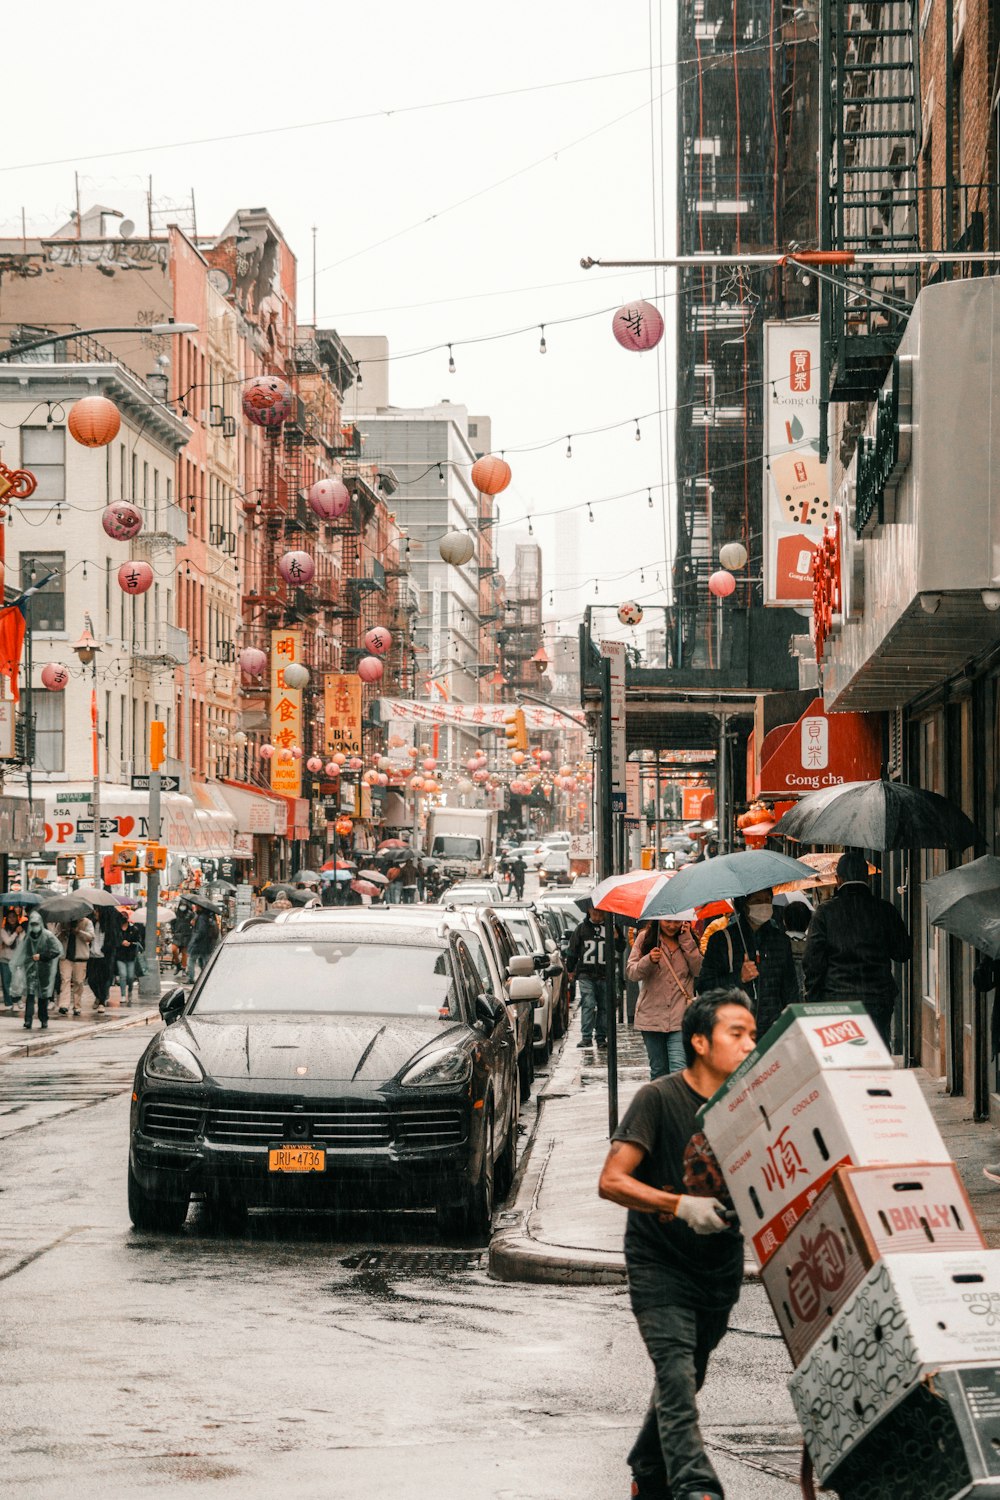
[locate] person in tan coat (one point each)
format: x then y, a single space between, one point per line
665 961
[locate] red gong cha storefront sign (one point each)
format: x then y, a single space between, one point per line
819 750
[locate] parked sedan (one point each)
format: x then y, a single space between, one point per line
314 1068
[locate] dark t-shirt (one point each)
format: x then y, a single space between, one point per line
666 1260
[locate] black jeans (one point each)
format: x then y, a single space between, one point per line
29 1009
669 1447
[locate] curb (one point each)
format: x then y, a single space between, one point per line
515 1255
16 1051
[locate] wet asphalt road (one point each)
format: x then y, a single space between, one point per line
316 1356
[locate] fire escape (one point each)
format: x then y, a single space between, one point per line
870 141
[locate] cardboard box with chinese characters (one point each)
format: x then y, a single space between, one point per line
911 1316
840 1118
862 1214
805 1041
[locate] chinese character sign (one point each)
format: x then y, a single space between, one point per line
286 713
797 501
342 712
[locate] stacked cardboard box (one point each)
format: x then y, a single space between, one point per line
871 1256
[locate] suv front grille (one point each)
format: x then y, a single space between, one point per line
171 1122
362 1126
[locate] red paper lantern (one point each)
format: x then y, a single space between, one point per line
94 421
267 401
122 521
638 326
490 474
329 499
721 584
54 676
378 640
370 669
135 577
296 568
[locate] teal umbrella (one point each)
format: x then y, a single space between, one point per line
723 878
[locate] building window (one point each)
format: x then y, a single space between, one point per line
50 731
47 608
43 453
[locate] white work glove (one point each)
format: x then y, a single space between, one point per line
704 1215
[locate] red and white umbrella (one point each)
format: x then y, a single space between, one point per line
628 895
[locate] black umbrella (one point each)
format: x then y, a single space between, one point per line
69 908
297 898
966 903
20 898
204 903
877 815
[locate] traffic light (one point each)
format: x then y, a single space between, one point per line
516 730
157 744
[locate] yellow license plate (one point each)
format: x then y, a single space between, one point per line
296 1159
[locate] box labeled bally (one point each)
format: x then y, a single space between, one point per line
869 1118
804 1041
911 1316
862 1214
943 1436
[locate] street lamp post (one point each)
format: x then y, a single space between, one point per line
159 329
86 649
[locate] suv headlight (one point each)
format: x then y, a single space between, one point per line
438 1067
174 1064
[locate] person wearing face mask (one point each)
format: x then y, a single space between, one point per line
665 961
37 970
752 953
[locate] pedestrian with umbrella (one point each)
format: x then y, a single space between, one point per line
11 933
665 962
204 937
130 948
853 941
36 970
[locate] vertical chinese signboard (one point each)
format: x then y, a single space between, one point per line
342 712
286 713
797 504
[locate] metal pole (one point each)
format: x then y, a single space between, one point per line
95 797
606 869
149 984
722 786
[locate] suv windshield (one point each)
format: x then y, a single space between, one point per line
454 846
330 978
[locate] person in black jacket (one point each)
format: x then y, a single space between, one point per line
752 953
853 941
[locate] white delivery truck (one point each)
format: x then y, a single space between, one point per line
463 840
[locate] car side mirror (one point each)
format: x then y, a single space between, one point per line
520 966
526 987
172 1006
486 1011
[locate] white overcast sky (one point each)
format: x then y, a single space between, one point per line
399 252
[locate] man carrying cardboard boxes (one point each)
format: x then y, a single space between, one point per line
683 1253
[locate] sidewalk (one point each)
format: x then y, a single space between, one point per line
558 1230
15 1042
